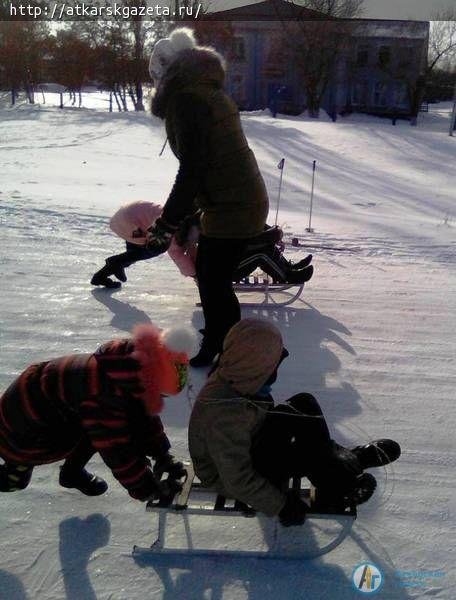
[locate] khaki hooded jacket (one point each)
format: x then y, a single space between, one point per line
226 416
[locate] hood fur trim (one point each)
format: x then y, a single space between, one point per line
192 66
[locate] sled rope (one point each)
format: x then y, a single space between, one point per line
385 496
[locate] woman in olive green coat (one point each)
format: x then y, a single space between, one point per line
218 174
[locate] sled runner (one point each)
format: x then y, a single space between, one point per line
275 293
197 501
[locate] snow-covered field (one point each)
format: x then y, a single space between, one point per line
373 338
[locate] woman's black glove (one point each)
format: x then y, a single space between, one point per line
184 228
294 511
159 236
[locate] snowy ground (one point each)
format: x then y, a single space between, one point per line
373 339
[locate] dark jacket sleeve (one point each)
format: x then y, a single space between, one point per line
116 424
191 122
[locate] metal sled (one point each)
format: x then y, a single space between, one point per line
275 293
196 501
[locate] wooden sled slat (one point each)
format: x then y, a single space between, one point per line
222 505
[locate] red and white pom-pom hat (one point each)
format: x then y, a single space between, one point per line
163 356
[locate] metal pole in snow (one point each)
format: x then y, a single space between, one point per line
279 166
309 229
453 116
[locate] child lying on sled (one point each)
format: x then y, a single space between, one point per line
248 449
108 402
132 221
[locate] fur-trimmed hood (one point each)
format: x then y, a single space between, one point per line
199 65
251 352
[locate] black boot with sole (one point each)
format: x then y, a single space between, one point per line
87 483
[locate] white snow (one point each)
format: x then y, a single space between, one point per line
373 338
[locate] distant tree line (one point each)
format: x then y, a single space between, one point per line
112 55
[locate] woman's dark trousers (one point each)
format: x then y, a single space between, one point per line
216 262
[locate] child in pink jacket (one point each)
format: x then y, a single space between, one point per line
131 222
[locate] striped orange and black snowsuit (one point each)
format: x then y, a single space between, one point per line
54 406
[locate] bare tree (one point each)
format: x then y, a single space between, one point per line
441 53
139 37
121 47
71 61
23 46
112 52
346 9
442 39
315 45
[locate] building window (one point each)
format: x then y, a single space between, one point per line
405 56
400 95
238 50
360 92
275 50
384 56
362 56
380 94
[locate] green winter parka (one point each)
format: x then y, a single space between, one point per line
218 172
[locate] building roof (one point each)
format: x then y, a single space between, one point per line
277 10
268 10
390 28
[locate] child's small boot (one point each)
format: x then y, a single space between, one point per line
336 500
299 275
116 269
377 453
14 477
87 483
101 277
302 264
